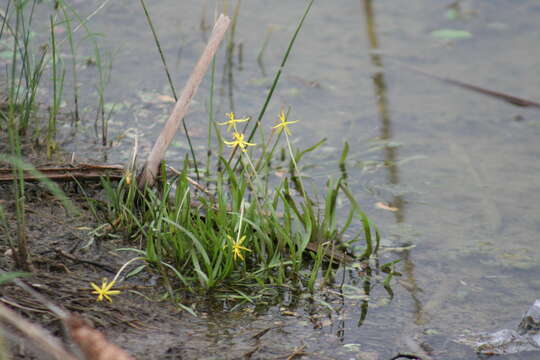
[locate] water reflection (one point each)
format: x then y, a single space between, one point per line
390 153
381 96
367 291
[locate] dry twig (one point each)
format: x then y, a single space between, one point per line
150 169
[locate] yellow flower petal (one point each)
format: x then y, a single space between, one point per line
97 288
283 123
237 247
231 123
238 141
105 290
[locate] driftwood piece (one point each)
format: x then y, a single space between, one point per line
150 169
68 173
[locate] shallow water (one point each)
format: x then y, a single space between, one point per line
462 168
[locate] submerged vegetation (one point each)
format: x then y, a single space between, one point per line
238 227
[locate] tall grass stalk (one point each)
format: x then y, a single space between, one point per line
58 85
210 110
102 81
21 254
73 50
24 75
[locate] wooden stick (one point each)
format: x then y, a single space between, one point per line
68 173
150 169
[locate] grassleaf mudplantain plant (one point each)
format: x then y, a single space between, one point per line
242 229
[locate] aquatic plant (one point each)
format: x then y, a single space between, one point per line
24 73
243 228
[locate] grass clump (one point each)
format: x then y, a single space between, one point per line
244 227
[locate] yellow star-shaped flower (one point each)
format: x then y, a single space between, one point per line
231 123
237 247
239 141
105 290
283 123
